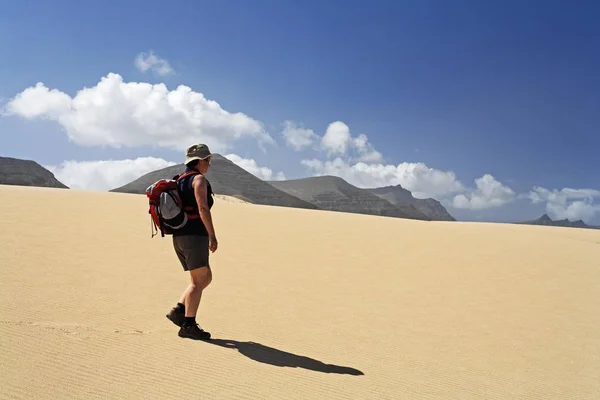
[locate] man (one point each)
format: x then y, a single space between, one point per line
193 242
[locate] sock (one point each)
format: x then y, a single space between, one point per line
189 321
180 307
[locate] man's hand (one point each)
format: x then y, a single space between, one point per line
212 243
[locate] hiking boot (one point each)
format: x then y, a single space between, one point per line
176 316
193 332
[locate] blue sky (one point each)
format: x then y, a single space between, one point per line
509 89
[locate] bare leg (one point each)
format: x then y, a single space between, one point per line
200 279
185 293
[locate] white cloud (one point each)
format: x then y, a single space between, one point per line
39 102
117 113
420 179
568 203
252 167
104 175
336 142
337 138
298 137
366 152
488 194
145 61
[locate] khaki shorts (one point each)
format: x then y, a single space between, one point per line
192 251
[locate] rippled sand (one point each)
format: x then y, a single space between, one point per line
304 305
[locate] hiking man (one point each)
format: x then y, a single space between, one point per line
193 241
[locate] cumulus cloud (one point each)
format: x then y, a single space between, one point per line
366 151
337 138
568 203
489 193
39 102
252 167
421 180
150 61
109 174
297 137
105 174
336 142
339 142
129 114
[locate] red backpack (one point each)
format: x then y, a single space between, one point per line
166 206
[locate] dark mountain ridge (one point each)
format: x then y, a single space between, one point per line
226 178
335 194
19 172
401 197
325 192
545 220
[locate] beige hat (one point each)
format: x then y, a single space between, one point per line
197 152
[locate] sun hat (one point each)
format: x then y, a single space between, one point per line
197 152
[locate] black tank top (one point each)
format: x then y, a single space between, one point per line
193 226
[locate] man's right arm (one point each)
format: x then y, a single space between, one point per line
200 193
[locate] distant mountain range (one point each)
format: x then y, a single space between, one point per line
225 178
318 193
15 171
324 192
565 223
403 198
335 194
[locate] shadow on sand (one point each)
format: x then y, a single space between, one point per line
270 355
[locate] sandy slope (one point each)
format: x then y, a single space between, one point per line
229 199
304 304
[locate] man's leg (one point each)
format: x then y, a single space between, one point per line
197 254
187 307
201 278
185 293
177 313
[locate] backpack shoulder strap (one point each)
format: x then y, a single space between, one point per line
184 181
185 175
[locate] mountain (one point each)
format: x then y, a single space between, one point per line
15 171
403 198
335 194
226 178
547 221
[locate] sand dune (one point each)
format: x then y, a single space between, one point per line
229 199
304 305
